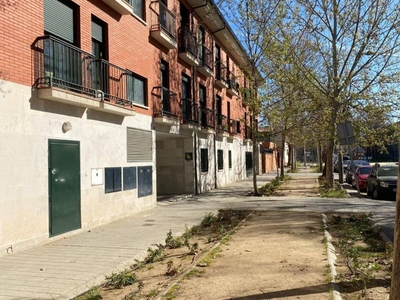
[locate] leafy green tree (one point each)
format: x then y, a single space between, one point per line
353 49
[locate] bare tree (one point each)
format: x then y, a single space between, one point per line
354 54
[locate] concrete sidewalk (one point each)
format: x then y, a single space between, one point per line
68 267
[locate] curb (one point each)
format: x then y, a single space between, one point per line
330 249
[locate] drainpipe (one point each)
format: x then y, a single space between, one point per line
196 184
196 180
214 135
215 161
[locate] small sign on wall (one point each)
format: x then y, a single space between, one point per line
97 176
189 156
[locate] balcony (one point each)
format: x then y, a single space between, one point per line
66 74
234 128
221 75
233 86
205 62
222 126
123 7
165 109
190 114
248 135
163 30
188 47
207 120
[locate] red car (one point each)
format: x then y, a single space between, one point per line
361 175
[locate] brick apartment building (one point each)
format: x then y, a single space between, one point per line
107 104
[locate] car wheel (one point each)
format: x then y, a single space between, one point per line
375 194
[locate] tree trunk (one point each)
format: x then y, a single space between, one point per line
255 159
329 163
282 157
395 286
277 165
319 156
294 160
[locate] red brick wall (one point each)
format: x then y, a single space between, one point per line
267 161
18 30
129 47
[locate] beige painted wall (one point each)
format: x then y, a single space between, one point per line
26 125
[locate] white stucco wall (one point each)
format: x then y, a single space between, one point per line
206 180
26 125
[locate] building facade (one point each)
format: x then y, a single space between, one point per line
107 104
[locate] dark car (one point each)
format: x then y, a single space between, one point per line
350 169
382 181
346 160
360 176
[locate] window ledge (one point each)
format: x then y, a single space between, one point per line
139 19
140 105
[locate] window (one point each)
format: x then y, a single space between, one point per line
164 76
112 180
129 178
59 19
219 109
186 91
136 87
60 60
220 154
201 42
230 158
185 16
249 160
187 104
138 8
204 160
99 46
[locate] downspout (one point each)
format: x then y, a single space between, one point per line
196 180
196 184
214 110
215 161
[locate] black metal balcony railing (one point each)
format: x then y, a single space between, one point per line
206 58
59 64
187 41
165 19
222 123
206 117
248 133
190 111
232 83
221 72
234 127
115 82
166 106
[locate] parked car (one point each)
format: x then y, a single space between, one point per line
382 181
360 176
350 169
346 159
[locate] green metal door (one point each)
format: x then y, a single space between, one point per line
64 186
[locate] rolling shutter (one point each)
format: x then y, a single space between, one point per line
59 20
97 32
139 145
